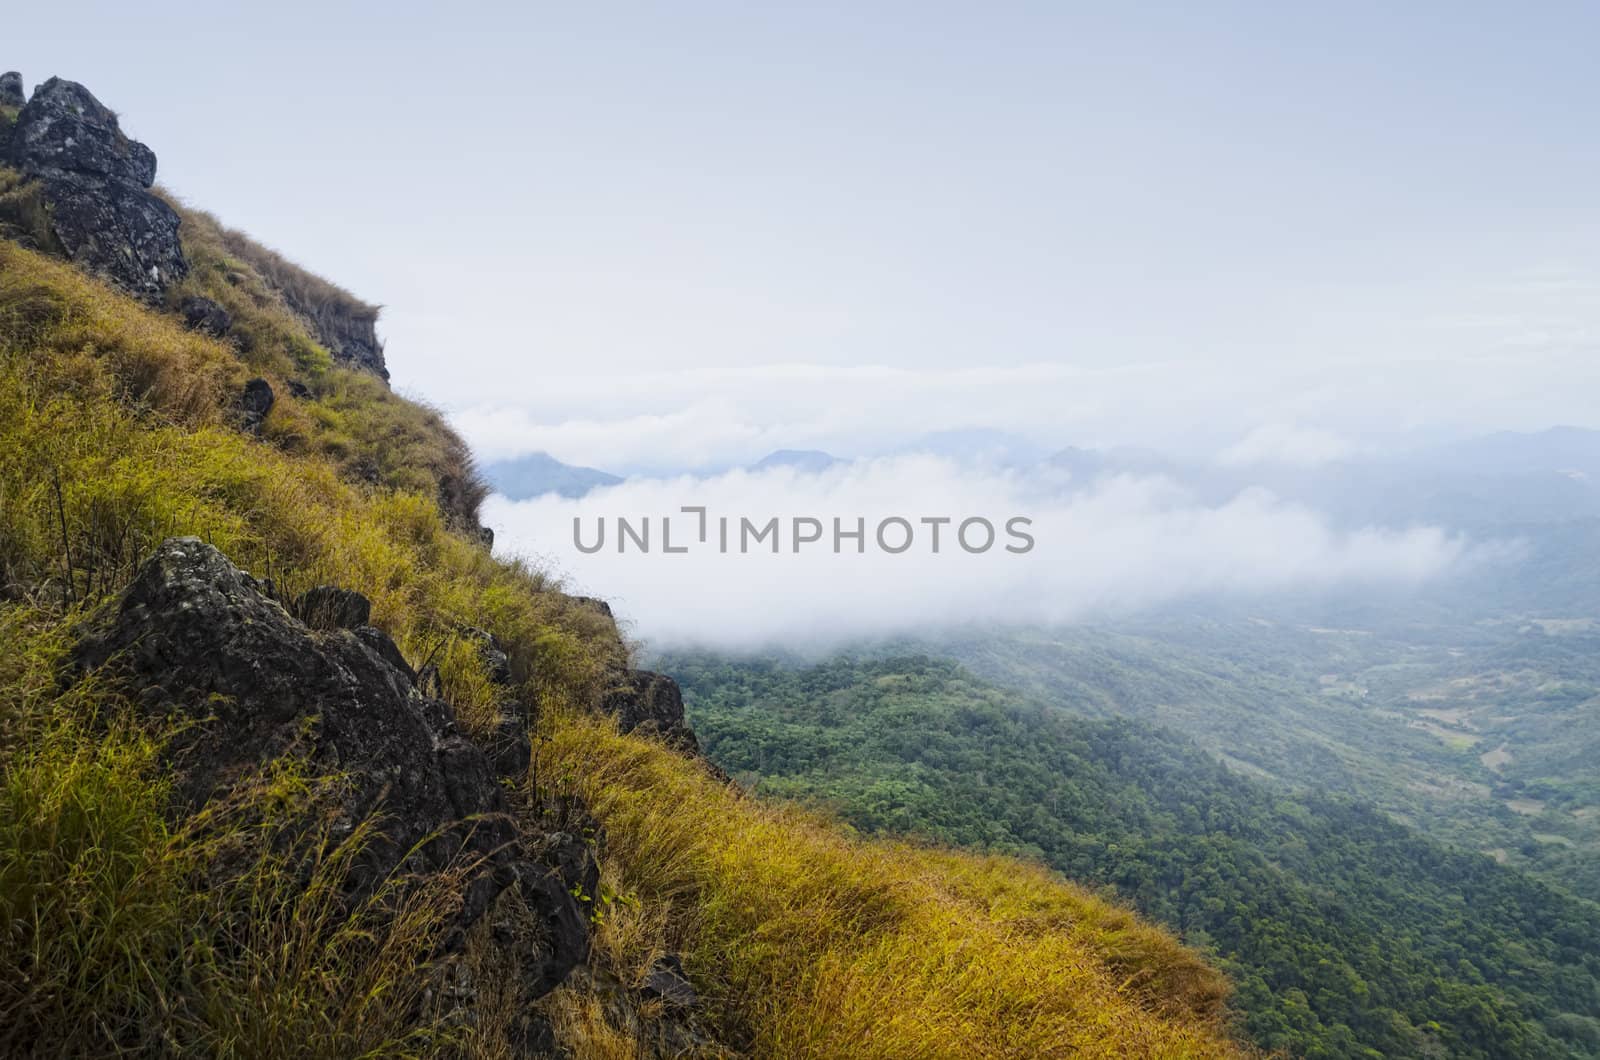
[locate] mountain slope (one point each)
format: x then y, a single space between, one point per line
175 886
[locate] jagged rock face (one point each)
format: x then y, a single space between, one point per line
197 640
97 182
11 90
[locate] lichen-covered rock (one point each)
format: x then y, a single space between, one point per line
196 641
96 182
386 649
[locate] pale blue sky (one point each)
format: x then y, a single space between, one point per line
656 235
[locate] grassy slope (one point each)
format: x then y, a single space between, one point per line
114 434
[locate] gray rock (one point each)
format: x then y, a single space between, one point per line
495 660
95 181
511 749
382 645
666 982
205 316
652 703
350 333
254 404
11 94
596 603
194 640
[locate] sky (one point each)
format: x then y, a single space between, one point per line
649 237
675 237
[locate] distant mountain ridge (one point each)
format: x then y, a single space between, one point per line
538 474
806 460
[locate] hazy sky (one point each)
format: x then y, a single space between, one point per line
684 234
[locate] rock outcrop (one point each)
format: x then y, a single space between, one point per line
96 183
651 703
349 331
11 90
197 641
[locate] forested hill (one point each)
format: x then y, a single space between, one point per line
1347 933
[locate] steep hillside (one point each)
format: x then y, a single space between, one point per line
290 764
1347 933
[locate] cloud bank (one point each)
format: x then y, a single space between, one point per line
1118 543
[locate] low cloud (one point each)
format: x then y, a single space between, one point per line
1121 543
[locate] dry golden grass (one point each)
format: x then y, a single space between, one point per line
808 942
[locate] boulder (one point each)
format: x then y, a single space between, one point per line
510 747
195 641
205 316
597 604
11 90
96 182
349 331
254 404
